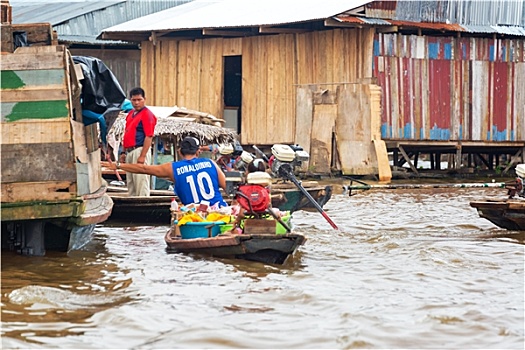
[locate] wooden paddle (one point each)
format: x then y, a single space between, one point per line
296 182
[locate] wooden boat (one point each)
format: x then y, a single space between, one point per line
151 210
52 190
155 209
508 213
268 248
287 197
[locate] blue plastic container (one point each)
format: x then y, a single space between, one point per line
198 229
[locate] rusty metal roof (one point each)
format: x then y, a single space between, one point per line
436 26
465 12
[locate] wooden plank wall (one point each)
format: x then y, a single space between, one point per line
352 113
272 68
356 126
268 94
450 88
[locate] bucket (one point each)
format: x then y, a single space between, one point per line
226 227
279 229
198 229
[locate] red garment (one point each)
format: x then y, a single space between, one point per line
138 127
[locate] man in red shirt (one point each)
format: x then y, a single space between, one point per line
138 137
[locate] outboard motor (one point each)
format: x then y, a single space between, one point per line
229 155
233 181
285 159
520 180
254 196
518 186
241 163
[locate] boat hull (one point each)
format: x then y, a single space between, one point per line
152 209
32 228
266 248
155 209
508 214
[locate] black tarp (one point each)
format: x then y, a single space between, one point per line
100 88
101 96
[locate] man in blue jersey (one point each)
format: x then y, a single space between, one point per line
194 179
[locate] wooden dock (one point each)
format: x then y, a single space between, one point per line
462 154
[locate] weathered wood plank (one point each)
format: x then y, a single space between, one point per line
260 86
36 131
325 96
79 141
37 191
354 130
232 46
212 76
291 81
147 68
304 116
36 33
18 61
48 93
38 162
173 59
383 165
163 78
374 94
274 78
321 145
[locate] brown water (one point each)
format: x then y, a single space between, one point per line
408 269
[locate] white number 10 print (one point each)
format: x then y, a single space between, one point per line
205 186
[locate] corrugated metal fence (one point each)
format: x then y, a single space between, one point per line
445 88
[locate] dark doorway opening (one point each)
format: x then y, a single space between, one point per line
233 92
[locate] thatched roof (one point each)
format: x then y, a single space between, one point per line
176 123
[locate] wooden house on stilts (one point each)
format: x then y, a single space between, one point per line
348 80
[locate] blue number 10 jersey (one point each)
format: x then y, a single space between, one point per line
197 180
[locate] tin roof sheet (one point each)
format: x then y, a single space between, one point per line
236 13
81 21
88 39
55 12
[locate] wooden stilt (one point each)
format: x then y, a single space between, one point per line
407 158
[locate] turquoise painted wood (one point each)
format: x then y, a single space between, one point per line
13 79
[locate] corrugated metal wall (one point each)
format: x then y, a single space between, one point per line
467 12
189 73
444 88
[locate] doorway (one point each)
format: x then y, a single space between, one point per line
233 92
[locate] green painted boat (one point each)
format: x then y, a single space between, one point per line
52 191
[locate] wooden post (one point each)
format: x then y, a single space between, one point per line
458 158
407 158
